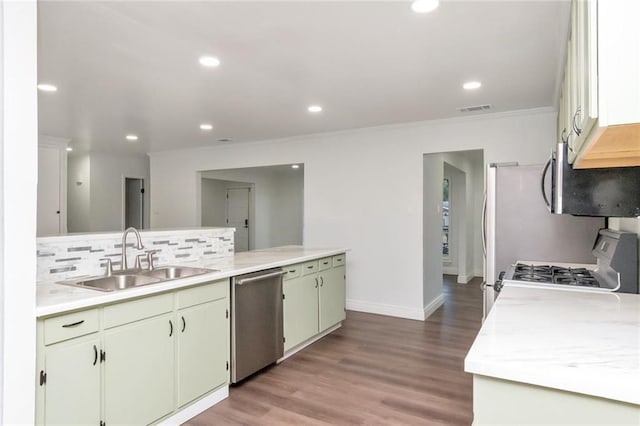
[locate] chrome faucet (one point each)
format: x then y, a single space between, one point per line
123 263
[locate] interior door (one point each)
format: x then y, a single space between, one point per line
134 203
238 216
49 170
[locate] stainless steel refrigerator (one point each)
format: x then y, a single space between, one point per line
518 226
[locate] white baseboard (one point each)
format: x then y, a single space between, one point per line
450 270
433 306
384 309
395 310
464 279
196 408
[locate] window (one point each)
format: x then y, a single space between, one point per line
445 218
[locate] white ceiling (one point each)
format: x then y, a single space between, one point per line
132 67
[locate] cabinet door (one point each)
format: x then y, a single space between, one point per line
584 38
72 388
202 349
332 297
300 309
139 371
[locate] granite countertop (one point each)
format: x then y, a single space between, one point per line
52 298
587 343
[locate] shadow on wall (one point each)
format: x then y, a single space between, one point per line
264 204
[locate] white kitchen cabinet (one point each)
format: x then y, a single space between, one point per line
202 341
332 297
68 369
314 298
599 110
504 402
139 371
133 362
70 383
300 310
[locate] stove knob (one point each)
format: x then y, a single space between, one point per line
501 276
497 286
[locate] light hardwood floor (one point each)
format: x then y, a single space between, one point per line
374 370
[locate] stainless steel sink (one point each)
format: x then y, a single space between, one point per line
114 282
174 272
121 280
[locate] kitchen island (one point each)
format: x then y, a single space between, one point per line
557 357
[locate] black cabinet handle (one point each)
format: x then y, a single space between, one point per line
43 377
321 281
170 328
184 324
310 267
316 283
73 324
95 355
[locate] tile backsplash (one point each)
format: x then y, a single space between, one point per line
69 256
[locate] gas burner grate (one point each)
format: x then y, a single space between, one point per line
550 274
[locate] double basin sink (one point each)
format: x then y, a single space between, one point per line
132 278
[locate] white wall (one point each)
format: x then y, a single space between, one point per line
214 194
363 189
107 177
433 173
98 204
277 203
19 170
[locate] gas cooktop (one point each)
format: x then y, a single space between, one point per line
551 274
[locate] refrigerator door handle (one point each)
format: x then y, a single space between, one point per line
484 225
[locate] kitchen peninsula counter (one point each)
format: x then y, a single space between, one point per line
53 298
579 342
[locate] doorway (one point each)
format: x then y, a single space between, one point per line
133 203
237 213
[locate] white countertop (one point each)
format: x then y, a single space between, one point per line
587 343
52 298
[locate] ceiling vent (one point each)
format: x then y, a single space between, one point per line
475 108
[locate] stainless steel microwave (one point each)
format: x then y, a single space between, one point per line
609 192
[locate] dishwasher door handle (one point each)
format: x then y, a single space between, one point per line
260 277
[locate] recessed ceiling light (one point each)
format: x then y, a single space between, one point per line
47 87
206 126
314 108
471 85
132 137
69 149
209 61
295 166
424 6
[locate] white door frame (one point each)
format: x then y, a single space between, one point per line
123 199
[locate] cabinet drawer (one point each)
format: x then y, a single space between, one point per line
203 293
339 260
68 326
324 263
126 312
292 271
310 267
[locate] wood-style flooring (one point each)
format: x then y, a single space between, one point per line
374 370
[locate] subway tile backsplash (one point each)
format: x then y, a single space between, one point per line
65 257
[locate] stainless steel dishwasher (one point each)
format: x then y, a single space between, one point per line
256 322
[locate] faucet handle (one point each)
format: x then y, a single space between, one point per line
139 257
109 267
150 254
